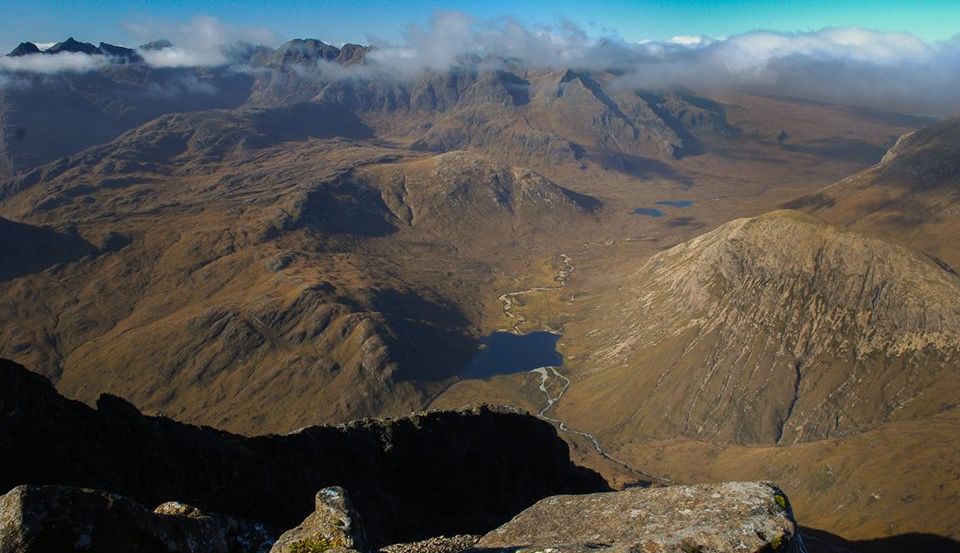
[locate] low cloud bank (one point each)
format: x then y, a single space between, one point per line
202 41
892 71
55 63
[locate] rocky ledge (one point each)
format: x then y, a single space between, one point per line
412 478
741 517
735 516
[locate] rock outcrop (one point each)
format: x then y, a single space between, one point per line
334 523
401 473
730 517
720 518
47 519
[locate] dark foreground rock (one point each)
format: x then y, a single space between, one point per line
731 517
54 519
412 478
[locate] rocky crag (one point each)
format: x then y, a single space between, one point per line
400 472
737 516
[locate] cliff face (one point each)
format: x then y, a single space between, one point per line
402 473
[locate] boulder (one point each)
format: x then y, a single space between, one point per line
241 536
731 517
333 524
51 519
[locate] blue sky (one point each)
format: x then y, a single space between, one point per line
355 20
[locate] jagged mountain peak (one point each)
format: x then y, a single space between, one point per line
311 51
24 49
74 46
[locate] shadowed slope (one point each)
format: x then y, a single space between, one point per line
406 476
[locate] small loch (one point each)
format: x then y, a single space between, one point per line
508 353
648 211
676 203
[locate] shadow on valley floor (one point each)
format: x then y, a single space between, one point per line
819 541
309 120
684 222
26 249
587 203
344 206
639 167
841 149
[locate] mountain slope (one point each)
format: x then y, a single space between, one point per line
102 104
257 265
911 196
776 329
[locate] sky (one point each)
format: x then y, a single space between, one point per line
338 21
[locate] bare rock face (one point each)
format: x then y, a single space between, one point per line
334 523
47 519
735 516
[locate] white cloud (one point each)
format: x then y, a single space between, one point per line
55 63
181 57
690 40
896 71
198 42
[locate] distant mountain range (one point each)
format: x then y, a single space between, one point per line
118 53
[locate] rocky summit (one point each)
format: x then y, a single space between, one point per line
736 516
723 518
418 478
401 473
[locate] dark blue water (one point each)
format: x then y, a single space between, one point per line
507 353
648 211
676 203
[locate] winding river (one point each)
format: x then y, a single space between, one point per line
550 373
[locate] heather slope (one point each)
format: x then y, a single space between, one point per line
775 329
